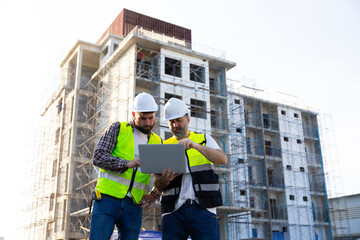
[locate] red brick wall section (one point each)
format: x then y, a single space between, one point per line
125 22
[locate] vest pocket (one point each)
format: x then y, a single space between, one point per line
205 177
210 199
168 203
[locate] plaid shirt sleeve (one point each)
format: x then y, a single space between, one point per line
102 157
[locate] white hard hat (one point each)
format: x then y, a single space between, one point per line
175 108
144 102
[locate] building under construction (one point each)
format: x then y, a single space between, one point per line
273 186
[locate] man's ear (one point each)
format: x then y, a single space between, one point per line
133 114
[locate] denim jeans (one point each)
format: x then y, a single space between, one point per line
110 211
190 220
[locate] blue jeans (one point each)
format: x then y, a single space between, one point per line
190 220
110 211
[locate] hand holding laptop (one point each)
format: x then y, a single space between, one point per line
160 184
164 179
134 163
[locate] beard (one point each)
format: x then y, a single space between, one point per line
145 129
178 132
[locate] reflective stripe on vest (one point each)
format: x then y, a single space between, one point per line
117 185
171 191
207 187
204 167
121 180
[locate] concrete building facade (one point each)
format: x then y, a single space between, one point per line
277 167
273 185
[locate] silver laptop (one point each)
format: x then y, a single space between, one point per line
154 158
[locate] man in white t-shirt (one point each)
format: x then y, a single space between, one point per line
189 200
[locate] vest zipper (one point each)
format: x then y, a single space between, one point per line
132 180
134 170
192 182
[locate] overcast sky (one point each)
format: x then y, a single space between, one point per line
308 49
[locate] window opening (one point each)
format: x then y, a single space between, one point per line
172 67
248 145
59 106
57 135
170 95
198 108
268 149
250 173
266 120
213 118
270 176
273 208
240 160
143 68
197 73
105 51
212 84
51 207
252 202
115 46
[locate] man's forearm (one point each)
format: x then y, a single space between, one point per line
216 156
108 162
102 157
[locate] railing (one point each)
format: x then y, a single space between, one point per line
310 132
278 212
271 151
179 42
276 181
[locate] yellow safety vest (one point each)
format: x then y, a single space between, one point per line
197 161
117 185
204 179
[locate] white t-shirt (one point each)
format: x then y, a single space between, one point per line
187 190
139 138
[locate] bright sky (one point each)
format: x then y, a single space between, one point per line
306 48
